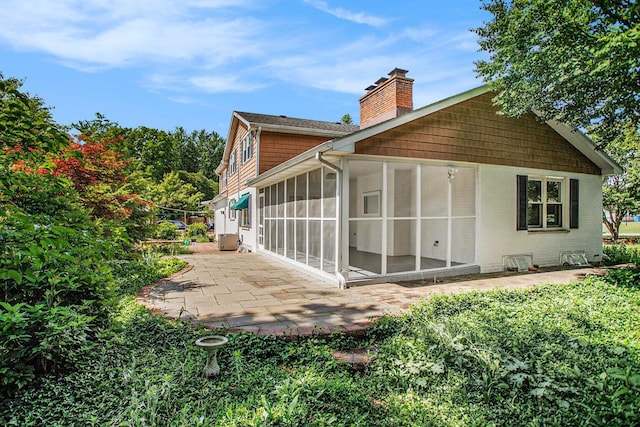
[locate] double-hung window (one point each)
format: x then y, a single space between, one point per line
232 163
232 212
544 207
546 203
245 217
247 147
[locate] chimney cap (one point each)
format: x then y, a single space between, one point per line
398 72
370 87
381 80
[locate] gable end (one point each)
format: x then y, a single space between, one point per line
473 132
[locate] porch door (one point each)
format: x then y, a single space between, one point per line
261 220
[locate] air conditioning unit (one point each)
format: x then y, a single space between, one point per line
228 242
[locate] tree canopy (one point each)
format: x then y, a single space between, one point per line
577 61
621 193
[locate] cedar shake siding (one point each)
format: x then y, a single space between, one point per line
471 131
276 148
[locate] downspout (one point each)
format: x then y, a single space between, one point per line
342 281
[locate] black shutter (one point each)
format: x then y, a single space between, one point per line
574 197
523 200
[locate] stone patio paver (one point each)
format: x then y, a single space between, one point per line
252 292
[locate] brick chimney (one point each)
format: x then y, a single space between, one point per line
387 98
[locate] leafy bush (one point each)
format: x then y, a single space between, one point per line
55 289
131 275
166 230
625 277
197 229
171 249
554 355
620 253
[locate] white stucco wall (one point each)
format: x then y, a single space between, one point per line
497 234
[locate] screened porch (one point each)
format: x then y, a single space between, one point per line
401 218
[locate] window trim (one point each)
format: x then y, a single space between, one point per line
365 196
247 147
569 202
245 217
232 163
232 212
544 202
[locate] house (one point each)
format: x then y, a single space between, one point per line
255 144
447 189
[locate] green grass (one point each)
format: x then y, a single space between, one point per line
626 228
553 355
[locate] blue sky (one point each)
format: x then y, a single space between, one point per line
190 63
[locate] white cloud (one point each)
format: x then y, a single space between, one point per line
212 46
107 33
217 84
340 13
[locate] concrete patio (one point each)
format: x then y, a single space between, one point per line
252 292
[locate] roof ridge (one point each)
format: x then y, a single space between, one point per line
289 121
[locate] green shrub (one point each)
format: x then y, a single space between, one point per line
131 275
172 249
197 229
166 230
620 253
54 290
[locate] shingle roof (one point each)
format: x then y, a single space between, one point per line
284 121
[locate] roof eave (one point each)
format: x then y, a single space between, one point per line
299 130
235 117
582 143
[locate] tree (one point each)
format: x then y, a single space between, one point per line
98 172
176 194
54 280
26 127
155 151
346 119
100 128
577 61
204 185
210 146
621 193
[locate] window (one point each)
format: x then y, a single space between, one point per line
544 208
247 147
232 163
245 216
542 200
371 203
232 212
224 179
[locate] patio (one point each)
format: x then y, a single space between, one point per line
258 293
